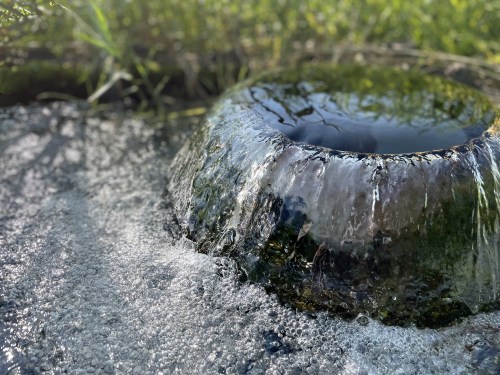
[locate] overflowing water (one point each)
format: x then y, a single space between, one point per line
488 233
293 175
95 279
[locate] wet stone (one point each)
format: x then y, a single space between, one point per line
351 189
273 343
486 356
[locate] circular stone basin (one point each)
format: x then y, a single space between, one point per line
351 189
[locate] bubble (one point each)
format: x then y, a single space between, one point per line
91 282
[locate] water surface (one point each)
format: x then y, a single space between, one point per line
94 280
369 110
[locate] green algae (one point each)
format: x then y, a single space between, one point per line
404 238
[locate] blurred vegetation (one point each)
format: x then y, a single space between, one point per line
145 47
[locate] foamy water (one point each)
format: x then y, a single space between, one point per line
94 278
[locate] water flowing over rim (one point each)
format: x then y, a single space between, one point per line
244 189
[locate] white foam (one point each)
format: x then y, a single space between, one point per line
91 282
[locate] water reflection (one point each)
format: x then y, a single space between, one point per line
372 113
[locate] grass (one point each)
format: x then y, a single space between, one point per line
144 45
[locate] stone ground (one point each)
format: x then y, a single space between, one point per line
94 278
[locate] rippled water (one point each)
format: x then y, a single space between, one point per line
94 278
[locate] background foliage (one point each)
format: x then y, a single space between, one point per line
215 42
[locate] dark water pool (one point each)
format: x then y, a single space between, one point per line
371 111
